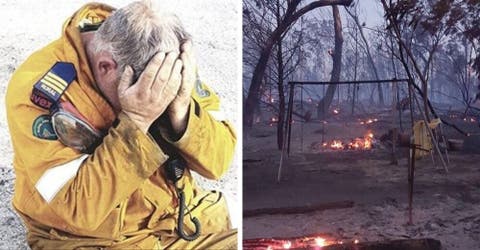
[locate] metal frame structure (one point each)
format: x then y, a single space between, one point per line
411 97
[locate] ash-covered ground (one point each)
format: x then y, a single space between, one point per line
446 206
30 25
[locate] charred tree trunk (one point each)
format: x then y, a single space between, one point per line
337 64
281 94
291 15
355 73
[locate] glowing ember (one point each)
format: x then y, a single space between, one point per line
336 111
364 143
369 121
356 241
320 241
304 242
337 144
274 119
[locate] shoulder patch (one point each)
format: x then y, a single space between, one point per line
201 91
53 84
42 128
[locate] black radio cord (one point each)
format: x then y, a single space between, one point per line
174 171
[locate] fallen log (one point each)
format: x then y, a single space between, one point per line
302 243
298 209
407 244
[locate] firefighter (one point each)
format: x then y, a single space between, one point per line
107 123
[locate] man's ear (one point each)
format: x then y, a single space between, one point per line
106 66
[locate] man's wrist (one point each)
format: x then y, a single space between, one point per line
142 125
179 120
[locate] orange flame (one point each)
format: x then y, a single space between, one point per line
364 143
319 241
336 144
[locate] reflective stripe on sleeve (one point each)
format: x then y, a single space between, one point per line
55 178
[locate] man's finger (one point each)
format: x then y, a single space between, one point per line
186 60
175 78
165 70
187 50
162 84
148 75
177 68
188 74
186 46
125 80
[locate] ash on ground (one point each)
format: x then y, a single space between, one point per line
446 206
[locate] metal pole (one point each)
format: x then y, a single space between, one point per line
290 118
290 100
348 82
301 125
411 159
324 116
411 175
394 122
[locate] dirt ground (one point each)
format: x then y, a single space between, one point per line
445 206
30 25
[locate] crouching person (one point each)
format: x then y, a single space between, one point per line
107 123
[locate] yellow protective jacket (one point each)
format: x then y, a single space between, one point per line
118 195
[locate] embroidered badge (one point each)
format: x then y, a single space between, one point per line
42 128
201 92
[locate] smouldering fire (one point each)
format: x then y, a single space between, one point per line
364 143
308 242
369 121
336 111
273 121
320 242
337 144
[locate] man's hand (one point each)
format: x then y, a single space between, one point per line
157 86
178 109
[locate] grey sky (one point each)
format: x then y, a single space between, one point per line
371 12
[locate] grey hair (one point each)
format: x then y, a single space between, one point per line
135 33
